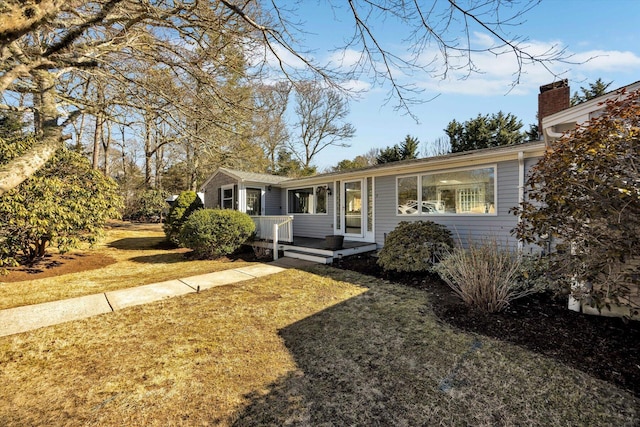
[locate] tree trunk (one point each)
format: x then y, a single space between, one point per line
106 142
79 130
124 156
95 159
79 133
97 135
193 176
49 137
148 152
159 163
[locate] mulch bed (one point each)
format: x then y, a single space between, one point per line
56 264
606 348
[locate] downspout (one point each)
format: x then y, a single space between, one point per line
520 192
551 134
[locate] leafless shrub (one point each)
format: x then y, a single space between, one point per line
261 252
488 276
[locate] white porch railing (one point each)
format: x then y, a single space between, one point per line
264 227
277 228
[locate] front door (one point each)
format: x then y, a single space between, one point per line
353 206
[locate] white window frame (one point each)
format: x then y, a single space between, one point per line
246 198
222 198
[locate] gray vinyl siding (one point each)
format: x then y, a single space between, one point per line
211 190
531 247
311 225
463 227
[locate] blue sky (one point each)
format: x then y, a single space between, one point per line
606 31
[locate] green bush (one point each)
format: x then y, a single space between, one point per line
414 246
212 233
64 203
146 205
186 203
488 277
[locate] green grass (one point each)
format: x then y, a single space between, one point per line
317 347
137 259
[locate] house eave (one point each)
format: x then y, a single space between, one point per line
580 113
275 181
450 161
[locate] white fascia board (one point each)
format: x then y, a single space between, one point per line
581 112
529 150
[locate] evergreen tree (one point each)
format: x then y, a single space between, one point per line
64 203
533 134
389 154
407 149
11 126
288 166
599 87
485 131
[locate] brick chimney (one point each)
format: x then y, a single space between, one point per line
553 97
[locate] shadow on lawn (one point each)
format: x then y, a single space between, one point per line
185 255
168 258
141 243
383 358
357 364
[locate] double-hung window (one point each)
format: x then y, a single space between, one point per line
227 197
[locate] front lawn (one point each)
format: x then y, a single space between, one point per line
323 347
129 255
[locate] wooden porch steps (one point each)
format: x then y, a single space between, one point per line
308 256
315 250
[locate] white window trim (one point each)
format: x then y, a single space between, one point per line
222 198
419 176
262 197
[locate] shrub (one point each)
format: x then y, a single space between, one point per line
585 195
148 205
64 203
489 277
186 203
212 233
414 246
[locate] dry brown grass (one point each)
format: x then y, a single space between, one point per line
138 261
324 347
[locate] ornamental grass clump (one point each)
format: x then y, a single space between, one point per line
487 276
414 246
213 233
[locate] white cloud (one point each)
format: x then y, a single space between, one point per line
356 86
606 61
347 59
496 74
490 73
493 73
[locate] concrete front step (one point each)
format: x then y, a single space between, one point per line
308 256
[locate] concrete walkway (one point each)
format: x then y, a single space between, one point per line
30 317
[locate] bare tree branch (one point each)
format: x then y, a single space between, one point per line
215 51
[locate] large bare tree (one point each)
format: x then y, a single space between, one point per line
270 126
43 42
322 113
49 61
